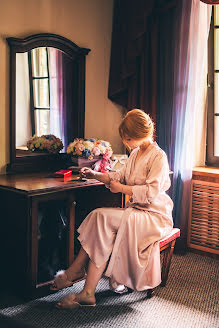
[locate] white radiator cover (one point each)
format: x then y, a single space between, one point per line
203 229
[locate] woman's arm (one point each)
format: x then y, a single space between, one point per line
88 173
102 177
116 186
156 181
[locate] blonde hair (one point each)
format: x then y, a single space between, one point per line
137 125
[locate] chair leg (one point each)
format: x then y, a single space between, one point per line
168 252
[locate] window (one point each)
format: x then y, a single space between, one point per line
39 90
212 157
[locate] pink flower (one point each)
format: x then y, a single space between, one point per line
108 153
96 151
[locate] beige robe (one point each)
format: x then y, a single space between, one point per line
128 238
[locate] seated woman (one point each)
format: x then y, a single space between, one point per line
124 242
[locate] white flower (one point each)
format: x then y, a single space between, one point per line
96 151
88 144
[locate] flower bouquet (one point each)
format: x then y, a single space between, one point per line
46 143
86 152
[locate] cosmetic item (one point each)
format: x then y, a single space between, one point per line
63 173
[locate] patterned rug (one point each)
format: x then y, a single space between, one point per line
190 300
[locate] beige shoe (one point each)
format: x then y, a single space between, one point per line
61 281
71 302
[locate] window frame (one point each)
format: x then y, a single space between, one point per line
211 160
31 79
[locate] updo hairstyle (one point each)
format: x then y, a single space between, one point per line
137 125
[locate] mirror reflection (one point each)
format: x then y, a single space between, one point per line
44 93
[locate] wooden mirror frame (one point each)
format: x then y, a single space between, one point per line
41 162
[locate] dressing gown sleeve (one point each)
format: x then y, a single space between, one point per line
120 175
157 181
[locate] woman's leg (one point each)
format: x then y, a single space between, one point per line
97 235
87 295
93 276
78 265
75 272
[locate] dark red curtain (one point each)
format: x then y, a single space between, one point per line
134 53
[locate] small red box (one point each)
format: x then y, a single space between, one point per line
63 173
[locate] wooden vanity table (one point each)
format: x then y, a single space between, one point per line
22 198
40 213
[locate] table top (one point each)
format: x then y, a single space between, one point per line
38 183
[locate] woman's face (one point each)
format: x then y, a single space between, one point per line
132 143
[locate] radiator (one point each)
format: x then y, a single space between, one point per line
203 228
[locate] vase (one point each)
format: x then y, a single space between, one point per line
84 162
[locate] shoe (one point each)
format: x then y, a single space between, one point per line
117 288
70 302
61 281
74 305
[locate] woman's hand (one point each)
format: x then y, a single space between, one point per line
87 172
115 186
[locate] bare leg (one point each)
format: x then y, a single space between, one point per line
87 295
75 272
78 265
93 276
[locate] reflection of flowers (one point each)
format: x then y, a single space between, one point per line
88 148
47 142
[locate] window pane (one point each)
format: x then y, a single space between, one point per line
216 92
216 15
216 140
41 93
39 62
42 122
216 40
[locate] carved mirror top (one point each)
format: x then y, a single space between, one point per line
46 40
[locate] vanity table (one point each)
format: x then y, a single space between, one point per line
23 198
40 213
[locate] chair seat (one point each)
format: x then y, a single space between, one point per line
175 233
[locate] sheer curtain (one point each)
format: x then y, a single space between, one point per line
185 141
61 95
56 93
186 104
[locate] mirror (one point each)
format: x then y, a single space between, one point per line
47 89
44 77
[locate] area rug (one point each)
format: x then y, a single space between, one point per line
189 300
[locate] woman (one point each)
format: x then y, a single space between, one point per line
124 242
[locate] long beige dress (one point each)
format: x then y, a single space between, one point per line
128 238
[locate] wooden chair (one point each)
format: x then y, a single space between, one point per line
166 246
